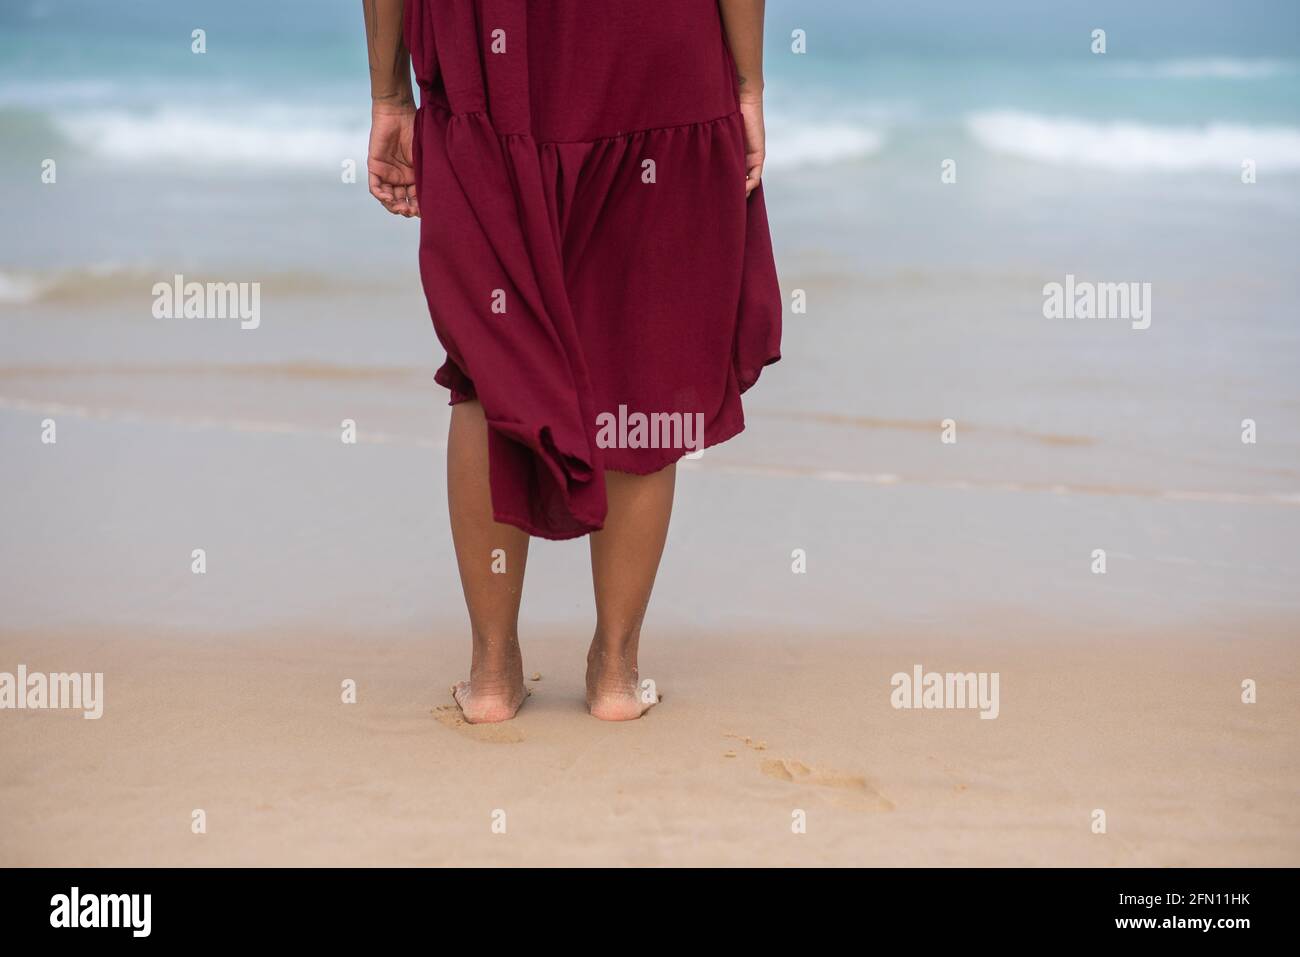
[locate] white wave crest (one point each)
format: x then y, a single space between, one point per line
1217 68
1069 141
269 137
795 144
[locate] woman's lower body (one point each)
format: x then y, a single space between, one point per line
590 259
493 556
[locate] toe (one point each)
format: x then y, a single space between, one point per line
460 693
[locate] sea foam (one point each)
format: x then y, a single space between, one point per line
271 137
1070 141
1198 68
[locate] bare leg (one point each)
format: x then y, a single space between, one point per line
624 559
491 557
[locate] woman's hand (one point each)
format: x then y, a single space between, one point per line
751 111
389 164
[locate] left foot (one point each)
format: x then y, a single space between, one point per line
495 689
615 692
488 707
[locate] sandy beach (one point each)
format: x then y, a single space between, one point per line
751 727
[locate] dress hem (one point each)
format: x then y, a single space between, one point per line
524 525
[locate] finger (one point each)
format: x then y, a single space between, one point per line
380 190
385 173
407 196
753 177
392 204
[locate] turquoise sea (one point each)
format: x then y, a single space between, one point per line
233 157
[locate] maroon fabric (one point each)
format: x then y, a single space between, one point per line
659 297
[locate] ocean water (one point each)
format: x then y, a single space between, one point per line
231 159
924 297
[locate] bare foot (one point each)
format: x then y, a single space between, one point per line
615 691
490 704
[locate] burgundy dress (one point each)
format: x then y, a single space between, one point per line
586 243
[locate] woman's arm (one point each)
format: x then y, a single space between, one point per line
390 62
742 22
392 109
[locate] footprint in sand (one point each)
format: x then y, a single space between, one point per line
843 788
449 716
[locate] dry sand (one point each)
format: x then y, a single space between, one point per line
252 730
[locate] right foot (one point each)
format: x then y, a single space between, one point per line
489 705
615 691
